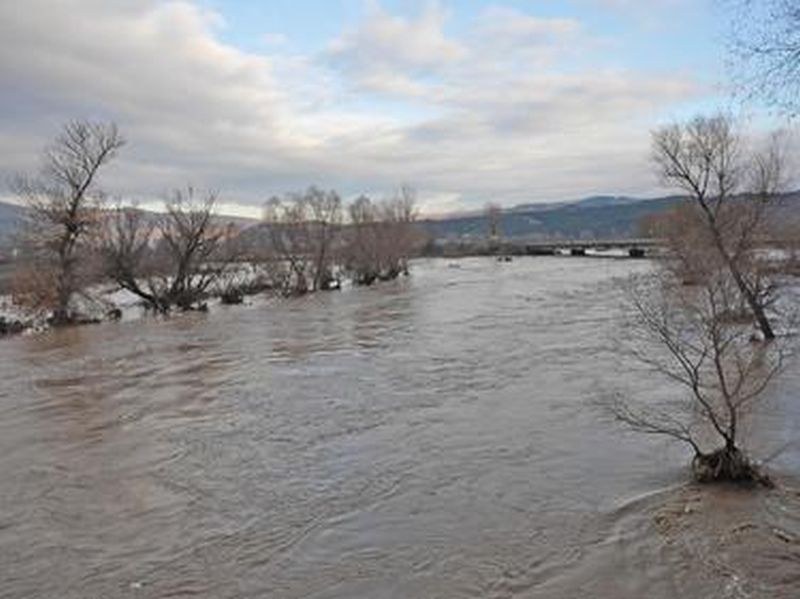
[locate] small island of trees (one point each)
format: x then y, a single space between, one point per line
74 239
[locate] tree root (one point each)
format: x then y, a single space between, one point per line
728 464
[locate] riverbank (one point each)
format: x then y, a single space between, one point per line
691 541
746 540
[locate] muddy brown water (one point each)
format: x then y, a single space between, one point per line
432 437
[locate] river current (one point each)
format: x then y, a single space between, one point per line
436 436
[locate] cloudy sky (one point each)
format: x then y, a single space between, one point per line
467 101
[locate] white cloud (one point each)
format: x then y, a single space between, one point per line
502 22
388 41
489 114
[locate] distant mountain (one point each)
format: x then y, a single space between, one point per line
590 202
607 201
594 217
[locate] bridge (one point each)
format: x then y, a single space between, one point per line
634 247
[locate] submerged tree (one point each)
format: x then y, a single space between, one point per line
362 254
398 233
302 230
381 237
63 209
168 260
731 190
323 229
685 335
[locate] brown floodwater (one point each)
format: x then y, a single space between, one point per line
431 437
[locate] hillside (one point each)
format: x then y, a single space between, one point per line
595 217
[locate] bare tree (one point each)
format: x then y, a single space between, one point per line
172 259
381 237
285 262
732 190
765 44
494 214
362 253
398 233
193 244
323 227
126 243
63 206
292 254
684 335
309 244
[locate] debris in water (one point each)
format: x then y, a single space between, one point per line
783 536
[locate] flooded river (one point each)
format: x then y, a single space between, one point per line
432 437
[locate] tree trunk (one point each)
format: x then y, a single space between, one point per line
752 301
